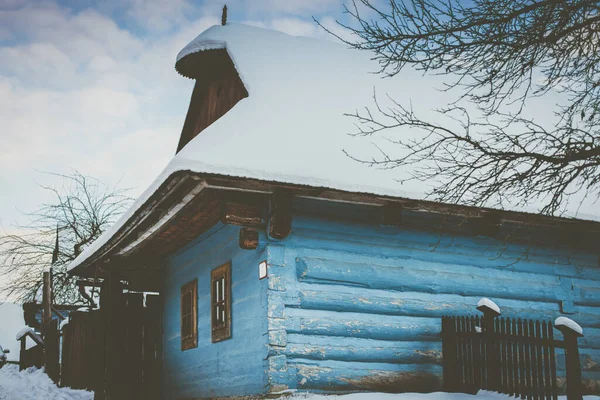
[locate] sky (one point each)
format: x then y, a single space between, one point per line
90 85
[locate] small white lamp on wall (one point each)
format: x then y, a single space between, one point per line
263 270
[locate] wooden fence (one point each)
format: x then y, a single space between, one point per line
134 337
32 357
82 351
515 357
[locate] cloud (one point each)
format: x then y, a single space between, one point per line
243 10
158 15
292 7
80 88
295 26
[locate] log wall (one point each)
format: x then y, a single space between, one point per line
357 306
232 367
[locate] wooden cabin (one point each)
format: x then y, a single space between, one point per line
283 264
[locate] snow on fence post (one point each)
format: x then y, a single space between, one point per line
571 332
490 312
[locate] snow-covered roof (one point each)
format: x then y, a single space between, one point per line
28 331
292 128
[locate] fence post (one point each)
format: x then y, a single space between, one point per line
492 362
571 332
451 383
23 354
52 351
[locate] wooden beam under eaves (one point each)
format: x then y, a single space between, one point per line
248 239
243 209
280 222
488 224
391 214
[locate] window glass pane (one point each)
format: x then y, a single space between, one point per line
220 298
186 306
186 326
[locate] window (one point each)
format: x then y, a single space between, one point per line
220 299
189 315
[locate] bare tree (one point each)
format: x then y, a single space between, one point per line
57 233
497 55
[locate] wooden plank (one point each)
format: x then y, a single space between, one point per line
522 364
528 377
114 335
391 214
469 356
447 353
460 356
52 350
243 213
152 361
47 298
510 362
540 361
552 362
503 355
482 351
515 353
476 346
488 224
535 386
133 346
546 355
280 222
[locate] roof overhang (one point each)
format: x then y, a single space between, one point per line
187 204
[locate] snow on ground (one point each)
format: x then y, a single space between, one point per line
482 395
34 384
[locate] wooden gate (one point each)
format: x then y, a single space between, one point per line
82 351
133 340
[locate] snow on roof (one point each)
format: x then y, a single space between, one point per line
25 331
292 127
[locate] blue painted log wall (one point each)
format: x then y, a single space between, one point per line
356 306
233 367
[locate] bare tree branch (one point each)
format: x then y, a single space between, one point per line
497 55
82 209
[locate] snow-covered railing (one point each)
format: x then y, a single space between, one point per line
511 356
32 356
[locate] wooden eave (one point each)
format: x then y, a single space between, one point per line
218 192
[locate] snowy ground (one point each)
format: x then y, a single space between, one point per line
482 395
34 384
